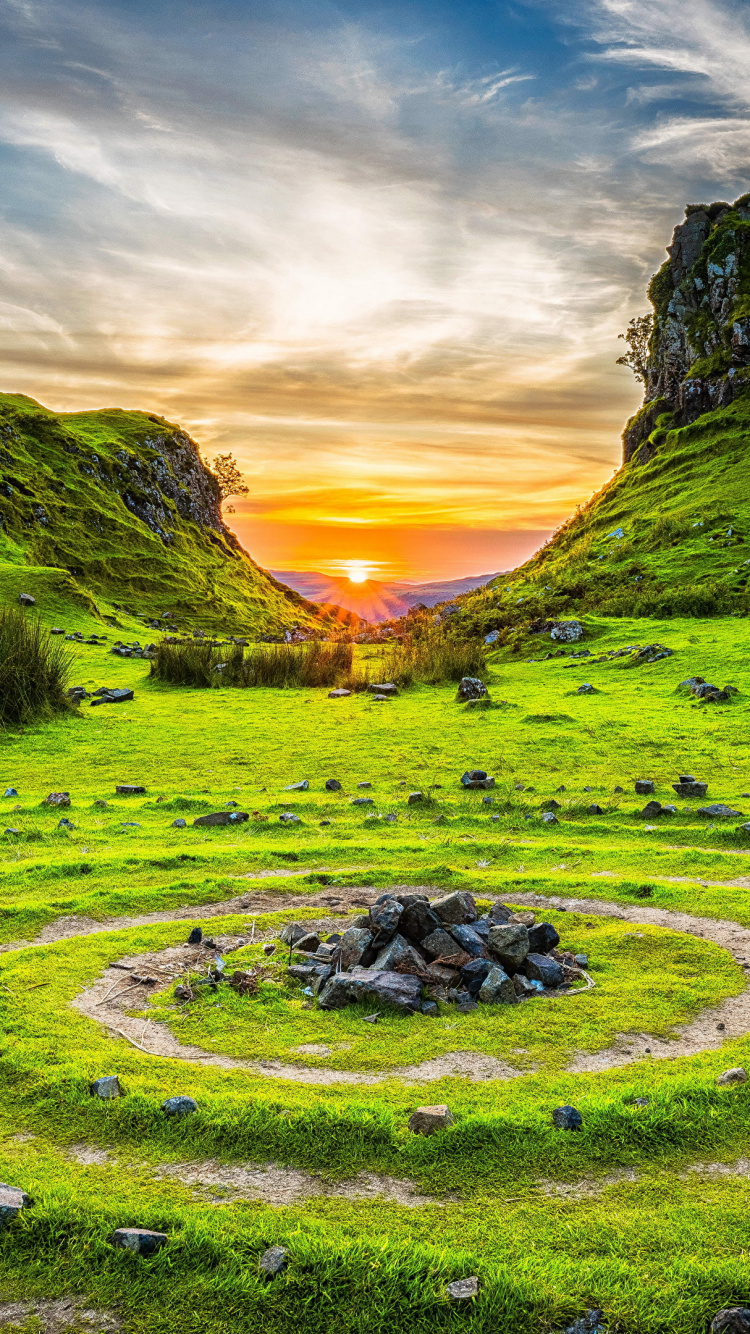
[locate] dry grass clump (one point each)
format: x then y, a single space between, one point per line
271 665
432 659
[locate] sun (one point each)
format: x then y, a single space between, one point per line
357 570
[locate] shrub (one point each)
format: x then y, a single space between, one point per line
274 665
34 669
433 659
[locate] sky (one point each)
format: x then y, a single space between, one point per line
381 253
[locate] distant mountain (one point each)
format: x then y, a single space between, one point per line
374 600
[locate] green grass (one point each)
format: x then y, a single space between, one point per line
664 1250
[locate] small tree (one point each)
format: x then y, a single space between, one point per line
230 479
637 337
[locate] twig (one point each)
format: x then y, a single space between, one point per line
120 993
132 1041
34 985
580 990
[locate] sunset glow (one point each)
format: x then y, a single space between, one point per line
387 271
357 570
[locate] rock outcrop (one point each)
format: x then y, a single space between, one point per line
699 354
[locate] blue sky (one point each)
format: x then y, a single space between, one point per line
382 253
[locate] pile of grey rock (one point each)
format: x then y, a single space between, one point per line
702 689
134 650
410 953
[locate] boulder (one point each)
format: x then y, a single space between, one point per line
179 823
363 801
439 944
542 938
140 1240
333 785
595 810
400 990
732 1320
644 787
273 1261
587 689
12 1201
688 787
737 1075
106 1086
339 694
511 945
456 908
476 780
385 916
463 1289
548 817
498 915
388 689
130 790
298 787
398 954
651 809
10 792
497 988
309 943
567 1118
293 932
540 968
426 1120
220 818
179 1106
474 973
354 945
567 632
468 940
418 920
470 687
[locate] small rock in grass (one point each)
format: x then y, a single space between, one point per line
587 689
470 687
10 792
385 688
549 817
618 789
218 818
414 798
333 785
12 1201
732 1320
651 810
10 830
595 810
737 1075
363 801
65 824
590 1323
430 1009
139 1240
567 1118
689 787
196 936
269 947
298 787
179 823
339 694
551 805
364 784
26 600
183 993
288 817
102 805
179 1106
463 1289
57 799
426 1120
718 811
273 1261
130 790
581 960
644 787
106 1086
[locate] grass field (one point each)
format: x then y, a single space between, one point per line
643 1213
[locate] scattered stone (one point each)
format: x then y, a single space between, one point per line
269 947
220 818
363 801
688 787
414 798
540 968
581 960
65 823
130 790
463 1289
12 1201
273 1261
587 689
426 1120
10 792
10 830
102 805
298 787
732 1320
567 1118
595 810
470 687
737 1075
364 784
57 799
139 1240
288 817
107 1086
475 779
644 787
333 785
549 817
26 600
179 1106
567 632
618 789
112 697
719 811
179 823
387 689
339 694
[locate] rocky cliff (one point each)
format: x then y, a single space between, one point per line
122 502
699 354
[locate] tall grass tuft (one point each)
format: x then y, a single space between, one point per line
34 669
275 665
432 659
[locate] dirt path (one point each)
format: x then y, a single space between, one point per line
113 993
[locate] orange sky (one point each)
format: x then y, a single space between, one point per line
382 258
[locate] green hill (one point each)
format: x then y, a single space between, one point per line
117 506
670 533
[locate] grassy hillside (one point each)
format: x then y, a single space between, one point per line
114 506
